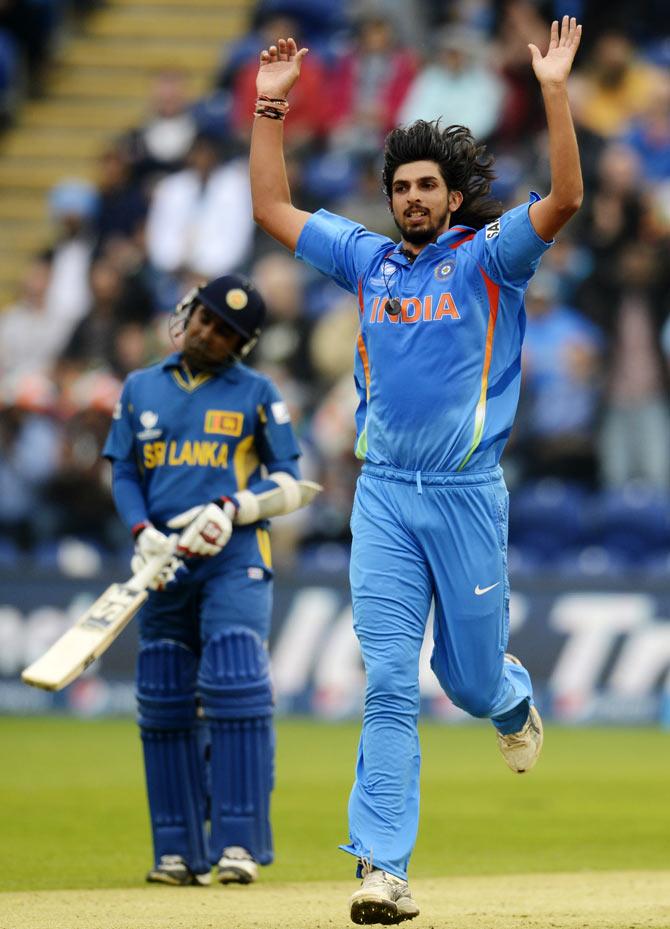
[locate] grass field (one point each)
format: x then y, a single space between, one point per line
74 817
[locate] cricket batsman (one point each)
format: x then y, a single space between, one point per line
437 370
194 441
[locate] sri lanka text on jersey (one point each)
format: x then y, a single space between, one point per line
204 454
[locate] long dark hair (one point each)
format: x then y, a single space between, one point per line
464 164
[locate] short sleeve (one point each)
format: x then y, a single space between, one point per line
120 444
509 248
276 439
339 248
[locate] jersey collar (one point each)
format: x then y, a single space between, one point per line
449 237
175 361
172 361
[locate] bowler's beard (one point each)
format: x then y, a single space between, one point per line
422 236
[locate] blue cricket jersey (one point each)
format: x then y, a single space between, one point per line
438 385
194 437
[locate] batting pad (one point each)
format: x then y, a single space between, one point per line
234 684
166 677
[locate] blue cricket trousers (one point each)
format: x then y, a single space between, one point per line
418 537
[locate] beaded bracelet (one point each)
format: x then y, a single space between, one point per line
271 107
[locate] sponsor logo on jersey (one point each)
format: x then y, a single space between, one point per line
443 270
174 454
416 309
149 419
255 574
224 422
492 229
280 412
117 410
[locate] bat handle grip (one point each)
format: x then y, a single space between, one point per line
153 567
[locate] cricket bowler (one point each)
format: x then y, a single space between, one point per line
437 370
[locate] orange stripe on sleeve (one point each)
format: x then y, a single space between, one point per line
493 295
363 352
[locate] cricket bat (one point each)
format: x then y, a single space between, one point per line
95 631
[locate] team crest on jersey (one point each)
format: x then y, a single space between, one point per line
237 298
149 419
444 270
492 229
224 422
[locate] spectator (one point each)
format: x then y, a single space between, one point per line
9 76
122 205
649 134
29 449
318 21
138 302
562 386
372 80
311 104
615 88
265 27
458 84
200 218
635 437
92 343
30 336
519 23
610 223
34 25
77 497
73 206
160 145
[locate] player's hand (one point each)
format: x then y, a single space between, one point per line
149 543
207 529
279 68
555 66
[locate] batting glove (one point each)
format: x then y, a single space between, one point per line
207 529
149 542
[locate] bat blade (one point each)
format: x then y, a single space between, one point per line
91 635
95 631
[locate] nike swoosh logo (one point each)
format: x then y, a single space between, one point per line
484 590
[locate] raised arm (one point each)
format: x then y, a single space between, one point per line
271 197
567 190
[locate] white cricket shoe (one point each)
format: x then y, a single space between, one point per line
236 866
173 870
382 898
522 749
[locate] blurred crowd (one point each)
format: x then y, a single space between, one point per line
29 34
171 207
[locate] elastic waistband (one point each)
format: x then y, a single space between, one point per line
439 478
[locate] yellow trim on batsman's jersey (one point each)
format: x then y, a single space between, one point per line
194 438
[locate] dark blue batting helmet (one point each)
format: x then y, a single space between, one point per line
235 299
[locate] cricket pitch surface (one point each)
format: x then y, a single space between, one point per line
584 900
